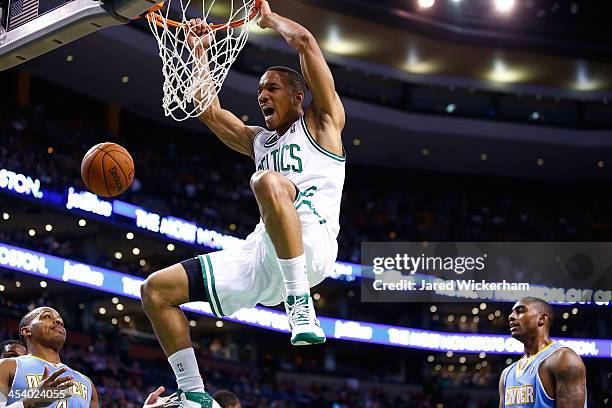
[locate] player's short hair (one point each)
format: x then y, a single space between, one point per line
9 342
295 79
226 399
542 305
27 320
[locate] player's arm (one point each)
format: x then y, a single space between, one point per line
94 397
7 371
570 379
223 123
229 129
326 105
502 380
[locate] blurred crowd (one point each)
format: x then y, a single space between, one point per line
126 369
210 185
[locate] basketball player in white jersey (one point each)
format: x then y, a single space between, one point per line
549 375
298 184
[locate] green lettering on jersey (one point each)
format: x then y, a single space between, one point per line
294 149
274 154
284 159
283 165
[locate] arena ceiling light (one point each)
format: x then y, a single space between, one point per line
583 81
426 3
417 65
501 72
504 6
338 45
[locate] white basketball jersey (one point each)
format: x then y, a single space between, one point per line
317 173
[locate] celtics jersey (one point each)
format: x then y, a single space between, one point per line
28 375
522 385
316 172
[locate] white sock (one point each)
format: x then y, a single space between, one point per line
185 367
295 275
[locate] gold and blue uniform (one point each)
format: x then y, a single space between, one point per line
28 376
522 384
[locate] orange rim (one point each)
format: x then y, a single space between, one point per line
163 22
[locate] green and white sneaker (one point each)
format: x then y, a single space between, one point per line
196 400
305 328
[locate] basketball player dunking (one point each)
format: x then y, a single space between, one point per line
549 375
298 186
28 375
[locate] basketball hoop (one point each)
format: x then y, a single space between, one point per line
191 83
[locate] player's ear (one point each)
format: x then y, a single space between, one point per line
298 97
25 331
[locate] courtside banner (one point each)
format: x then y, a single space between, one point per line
558 272
72 272
166 226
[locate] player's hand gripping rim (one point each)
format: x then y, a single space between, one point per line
199 36
265 15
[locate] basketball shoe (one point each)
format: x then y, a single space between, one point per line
196 400
305 328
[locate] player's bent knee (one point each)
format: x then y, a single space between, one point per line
149 295
269 185
261 180
165 287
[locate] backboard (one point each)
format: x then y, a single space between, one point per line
34 27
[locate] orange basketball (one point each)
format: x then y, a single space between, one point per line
107 169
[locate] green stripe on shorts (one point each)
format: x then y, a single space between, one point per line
209 296
212 285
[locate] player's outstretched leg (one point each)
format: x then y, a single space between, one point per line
275 196
162 294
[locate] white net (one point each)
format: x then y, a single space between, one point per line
191 82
